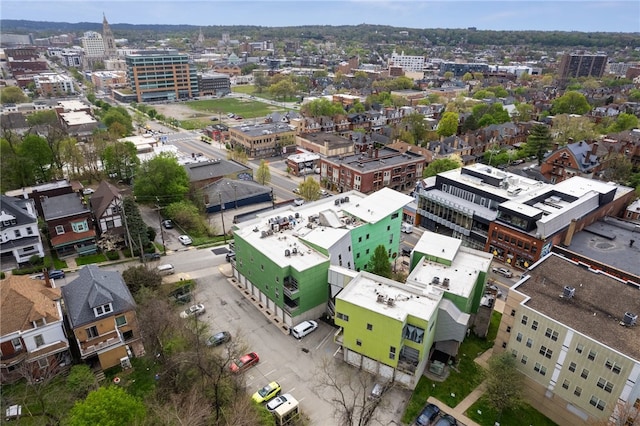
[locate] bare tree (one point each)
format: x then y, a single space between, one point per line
348 390
190 408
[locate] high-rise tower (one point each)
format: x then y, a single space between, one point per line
107 37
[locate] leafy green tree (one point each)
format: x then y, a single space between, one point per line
538 142
161 179
524 112
619 169
467 77
634 95
441 165
504 383
571 103
448 124
566 127
120 161
37 157
81 381
137 277
379 263
118 115
189 216
309 189
448 75
135 226
263 174
107 406
238 155
623 122
415 124
48 117
12 95
283 89
322 107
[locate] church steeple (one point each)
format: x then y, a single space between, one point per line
107 38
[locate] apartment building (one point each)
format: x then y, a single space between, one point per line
161 76
573 159
214 84
396 330
261 139
284 256
372 170
19 227
52 84
581 65
574 333
407 62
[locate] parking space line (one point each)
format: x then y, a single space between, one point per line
336 352
324 340
266 374
292 389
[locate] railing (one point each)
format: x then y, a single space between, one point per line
110 339
290 291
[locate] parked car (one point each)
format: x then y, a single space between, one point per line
151 256
244 362
428 414
167 223
298 201
193 311
446 420
218 338
296 191
54 274
267 393
276 402
185 240
304 328
502 271
88 191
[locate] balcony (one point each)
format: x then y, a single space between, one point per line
17 357
89 348
290 291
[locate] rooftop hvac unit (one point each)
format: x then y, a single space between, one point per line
337 202
346 199
297 215
629 319
380 298
445 283
287 253
275 227
568 292
391 301
435 280
263 234
295 250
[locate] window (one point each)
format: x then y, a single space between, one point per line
546 352
367 251
513 312
598 403
343 317
394 215
577 391
121 320
540 369
572 367
17 233
529 342
524 319
104 309
359 239
392 352
29 231
565 384
514 353
413 333
534 325
504 345
553 335
92 332
370 327
508 329
591 356
524 359
585 373
59 229
367 236
358 342
80 226
519 337
604 384
616 368
579 348
39 340
17 344
43 362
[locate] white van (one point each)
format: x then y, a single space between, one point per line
304 328
166 269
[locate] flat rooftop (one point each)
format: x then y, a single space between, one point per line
597 307
373 292
321 223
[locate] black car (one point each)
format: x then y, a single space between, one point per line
219 338
151 256
446 420
167 223
428 415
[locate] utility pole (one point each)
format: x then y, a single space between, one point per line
164 248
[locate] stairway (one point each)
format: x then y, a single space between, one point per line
99 375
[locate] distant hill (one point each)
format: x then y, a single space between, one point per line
364 33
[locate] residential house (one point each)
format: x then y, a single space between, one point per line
573 332
33 343
632 212
102 314
70 225
397 330
41 192
106 205
20 234
573 159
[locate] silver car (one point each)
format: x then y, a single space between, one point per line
276 402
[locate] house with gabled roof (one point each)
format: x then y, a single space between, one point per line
574 159
70 224
106 205
19 229
33 343
102 314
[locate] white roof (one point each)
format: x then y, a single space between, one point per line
73 105
373 292
77 118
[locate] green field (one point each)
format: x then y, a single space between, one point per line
243 107
485 416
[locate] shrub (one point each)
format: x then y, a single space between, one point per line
113 255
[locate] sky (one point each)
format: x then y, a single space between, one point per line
544 15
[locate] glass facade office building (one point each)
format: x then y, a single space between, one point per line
162 77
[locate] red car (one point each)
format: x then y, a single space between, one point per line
244 362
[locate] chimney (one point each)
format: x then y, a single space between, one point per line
556 146
594 148
455 142
375 152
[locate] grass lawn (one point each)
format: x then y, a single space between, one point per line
57 401
243 107
508 418
139 380
463 378
93 258
247 89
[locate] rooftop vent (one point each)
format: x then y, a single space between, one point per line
435 280
337 202
287 253
445 283
568 292
629 319
346 199
391 301
380 298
